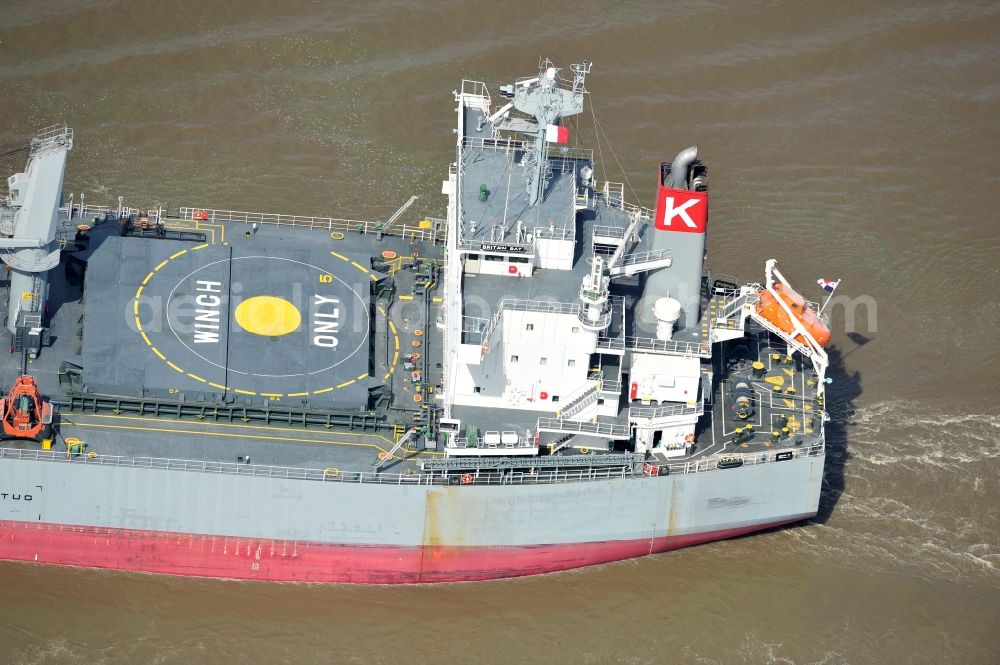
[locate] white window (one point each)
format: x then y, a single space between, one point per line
513 359
575 329
571 362
543 361
530 326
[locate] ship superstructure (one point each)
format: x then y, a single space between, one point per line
543 379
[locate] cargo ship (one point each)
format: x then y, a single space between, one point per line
547 376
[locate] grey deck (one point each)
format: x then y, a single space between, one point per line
98 333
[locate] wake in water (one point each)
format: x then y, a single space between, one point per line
919 494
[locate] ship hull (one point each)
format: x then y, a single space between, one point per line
256 527
224 557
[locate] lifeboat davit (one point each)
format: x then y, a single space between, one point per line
769 308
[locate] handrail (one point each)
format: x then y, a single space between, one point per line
611 430
538 476
215 215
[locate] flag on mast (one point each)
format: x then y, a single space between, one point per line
556 134
828 284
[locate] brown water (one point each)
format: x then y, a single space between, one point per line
855 140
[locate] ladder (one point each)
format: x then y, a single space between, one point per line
395 449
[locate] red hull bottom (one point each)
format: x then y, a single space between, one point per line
289 561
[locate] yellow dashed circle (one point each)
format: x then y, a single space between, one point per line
269 316
273 318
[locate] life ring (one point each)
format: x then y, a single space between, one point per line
196 214
336 235
584 450
415 343
689 438
389 254
331 472
418 398
418 332
383 455
466 478
415 355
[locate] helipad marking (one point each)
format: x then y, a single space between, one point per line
145 337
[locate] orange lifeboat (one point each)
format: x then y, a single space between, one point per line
769 308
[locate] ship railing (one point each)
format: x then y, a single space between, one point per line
546 476
329 474
435 232
52 135
611 386
497 145
493 440
612 194
669 347
665 411
539 306
606 231
598 324
333 474
526 249
476 94
554 234
563 159
519 305
609 430
724 461
89 209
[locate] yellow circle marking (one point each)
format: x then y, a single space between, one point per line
269 316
